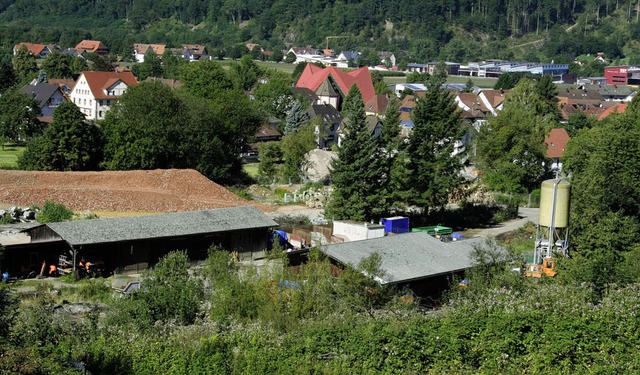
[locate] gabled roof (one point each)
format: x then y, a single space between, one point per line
41 92
495 97
472 101
378 104
91 46
351 55
174 224
408 257
99 81
327 89
327 112
618 108
313 76
556 142
305 51
306 93
34 49
158 49
267 130
195 48
173 83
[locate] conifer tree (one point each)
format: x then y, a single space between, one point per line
433 169
356 172
295 118
388 150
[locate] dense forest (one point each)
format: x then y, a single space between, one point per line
417 30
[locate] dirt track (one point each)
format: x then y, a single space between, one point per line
160 190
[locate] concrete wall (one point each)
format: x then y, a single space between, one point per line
357 231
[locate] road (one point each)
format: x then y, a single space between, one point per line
525 215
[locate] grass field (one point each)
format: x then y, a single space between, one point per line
251 169
9 156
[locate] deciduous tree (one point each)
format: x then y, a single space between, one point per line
68 144
510 147
19 116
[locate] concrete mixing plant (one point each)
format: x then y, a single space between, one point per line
552 232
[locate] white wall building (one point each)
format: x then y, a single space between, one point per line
95 92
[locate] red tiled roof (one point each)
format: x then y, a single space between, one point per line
98 81
556 142
377 104
158 49
35 49
313 76
267 131
90 46
472 101
618 108
495 97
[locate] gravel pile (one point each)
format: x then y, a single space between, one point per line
160 190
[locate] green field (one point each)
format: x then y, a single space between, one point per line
9 156
251 169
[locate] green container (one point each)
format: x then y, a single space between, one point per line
434 230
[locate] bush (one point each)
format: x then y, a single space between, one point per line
52 212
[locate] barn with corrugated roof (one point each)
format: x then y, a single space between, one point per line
136 242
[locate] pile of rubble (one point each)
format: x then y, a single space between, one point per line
18 215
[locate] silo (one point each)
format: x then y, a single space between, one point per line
561 212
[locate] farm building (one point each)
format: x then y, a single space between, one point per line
134 243
416 260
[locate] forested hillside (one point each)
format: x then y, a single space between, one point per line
424 30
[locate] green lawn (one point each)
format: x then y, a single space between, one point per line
251 169
9 156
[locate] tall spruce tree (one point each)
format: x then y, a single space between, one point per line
388 149
355 173
295 118
433 169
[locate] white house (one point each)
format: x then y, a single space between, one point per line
95 92
141 50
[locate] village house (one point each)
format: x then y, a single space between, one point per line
327 133
49 96
332 85
40 51
556 143
140 51
95 92
92 46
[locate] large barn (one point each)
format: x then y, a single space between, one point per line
131 244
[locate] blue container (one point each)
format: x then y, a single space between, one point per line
396 224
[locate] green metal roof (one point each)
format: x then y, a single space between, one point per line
174 224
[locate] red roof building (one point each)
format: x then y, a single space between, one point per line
37 50
618 108
92 46
335 81
556 142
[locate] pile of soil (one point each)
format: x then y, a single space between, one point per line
160 190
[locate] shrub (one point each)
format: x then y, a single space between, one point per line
52 212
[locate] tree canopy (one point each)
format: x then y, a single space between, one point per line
68 144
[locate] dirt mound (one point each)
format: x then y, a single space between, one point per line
160 190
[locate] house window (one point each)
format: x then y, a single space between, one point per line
101 114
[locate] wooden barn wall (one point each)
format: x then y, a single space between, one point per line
136 256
